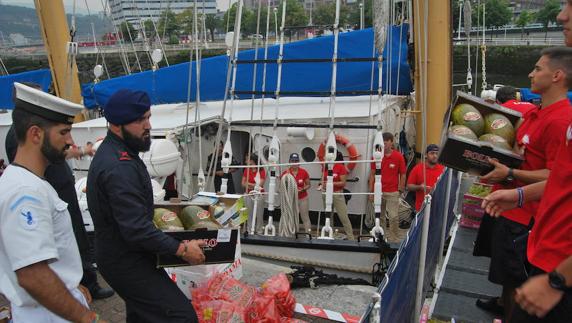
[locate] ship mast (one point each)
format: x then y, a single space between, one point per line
56 35
432 25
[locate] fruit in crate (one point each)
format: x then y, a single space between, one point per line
195 217
480 190
463 131
495 140
497 124
167 220
465 114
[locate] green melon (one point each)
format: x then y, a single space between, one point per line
463 131
498 124
497 141
195 217
167 220
467 115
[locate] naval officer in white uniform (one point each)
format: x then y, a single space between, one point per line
40 265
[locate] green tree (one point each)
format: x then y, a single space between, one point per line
185 21
127 30
354 13
167 24
212 23
497 14
149 30
523 20
245 22
548 14
325 14
295 14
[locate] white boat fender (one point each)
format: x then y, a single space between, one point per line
378 151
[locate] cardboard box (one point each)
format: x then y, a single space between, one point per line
471 156
188 278
220 246
472 213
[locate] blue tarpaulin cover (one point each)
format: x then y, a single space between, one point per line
527 95
169 84
42 77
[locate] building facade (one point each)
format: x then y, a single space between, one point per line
136 11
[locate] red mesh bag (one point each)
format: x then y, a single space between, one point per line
278 287
219 312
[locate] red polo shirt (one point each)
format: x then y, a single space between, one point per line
522 107
338 170
391 167
301 177
416 178
251 173
550 241
541 134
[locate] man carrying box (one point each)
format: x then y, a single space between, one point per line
120 200
538 139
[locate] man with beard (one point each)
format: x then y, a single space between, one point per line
423 184
60 176
41 265
120 200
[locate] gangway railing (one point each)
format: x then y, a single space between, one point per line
401 293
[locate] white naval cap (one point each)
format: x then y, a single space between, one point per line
45 105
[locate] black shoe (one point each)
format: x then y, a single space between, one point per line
99 292
491 305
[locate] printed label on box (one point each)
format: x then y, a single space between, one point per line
223 235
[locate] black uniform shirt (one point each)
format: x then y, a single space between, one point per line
120 200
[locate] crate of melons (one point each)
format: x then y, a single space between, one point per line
199 219
474 131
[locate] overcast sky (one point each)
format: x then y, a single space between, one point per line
94 5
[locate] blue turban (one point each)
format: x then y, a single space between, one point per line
126 106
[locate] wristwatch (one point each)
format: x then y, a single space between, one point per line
557 281
510 176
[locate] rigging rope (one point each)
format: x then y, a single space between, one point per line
198 54
157 35
484 51
289 217
123 56
467 15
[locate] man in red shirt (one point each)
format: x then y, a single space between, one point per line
392 183
506 96
303 183
538 138
249 183
423 184
547 297
340 173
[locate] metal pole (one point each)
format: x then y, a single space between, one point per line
361 16
445 215
422 258
460 18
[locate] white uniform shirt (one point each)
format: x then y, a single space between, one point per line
35 226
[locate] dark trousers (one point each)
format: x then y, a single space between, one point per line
561 313
150 295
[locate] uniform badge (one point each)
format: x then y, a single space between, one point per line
123 155
526 139
569 134
391 165
27 219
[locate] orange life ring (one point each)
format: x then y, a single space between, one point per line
342 140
